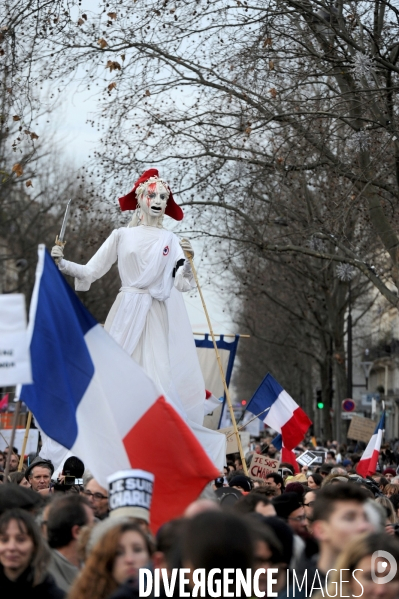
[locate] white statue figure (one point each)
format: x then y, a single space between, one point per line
148 318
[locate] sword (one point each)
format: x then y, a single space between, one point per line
59 240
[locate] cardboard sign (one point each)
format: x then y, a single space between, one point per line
361 429
232 445
15 366
261 466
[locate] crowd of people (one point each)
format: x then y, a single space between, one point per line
318 531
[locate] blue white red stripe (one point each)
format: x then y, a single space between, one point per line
283 413
368 462
211 402
92 398
286 455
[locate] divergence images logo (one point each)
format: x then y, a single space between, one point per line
379 567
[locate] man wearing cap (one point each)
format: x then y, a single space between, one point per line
39 474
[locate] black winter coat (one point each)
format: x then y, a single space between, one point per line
22 587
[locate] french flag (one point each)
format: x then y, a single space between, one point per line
368 463
92 398
287 455
278 410
211 402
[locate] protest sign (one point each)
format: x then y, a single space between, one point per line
320 456
130 493
307 458
232 445
261 466
361 429
14 348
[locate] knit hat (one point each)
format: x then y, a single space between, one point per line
389 471
285 504
241 481
295 488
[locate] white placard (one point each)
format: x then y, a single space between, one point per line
15 366
31 445
307 458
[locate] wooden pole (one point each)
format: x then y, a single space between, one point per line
249 422
11 444
21 459
226 390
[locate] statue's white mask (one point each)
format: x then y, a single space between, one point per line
154 199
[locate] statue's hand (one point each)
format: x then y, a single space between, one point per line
186 268
57 253
187 248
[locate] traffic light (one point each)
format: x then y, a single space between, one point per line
243 402
319 401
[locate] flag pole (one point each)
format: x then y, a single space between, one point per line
25 441
226 390
249 421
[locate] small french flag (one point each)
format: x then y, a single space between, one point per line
278 410
211 402
368 462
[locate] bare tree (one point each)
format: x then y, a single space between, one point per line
227 95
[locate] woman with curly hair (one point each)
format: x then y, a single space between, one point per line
391 489
24 558
117 556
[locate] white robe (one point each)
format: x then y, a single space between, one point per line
149 320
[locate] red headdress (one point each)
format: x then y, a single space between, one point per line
129 201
